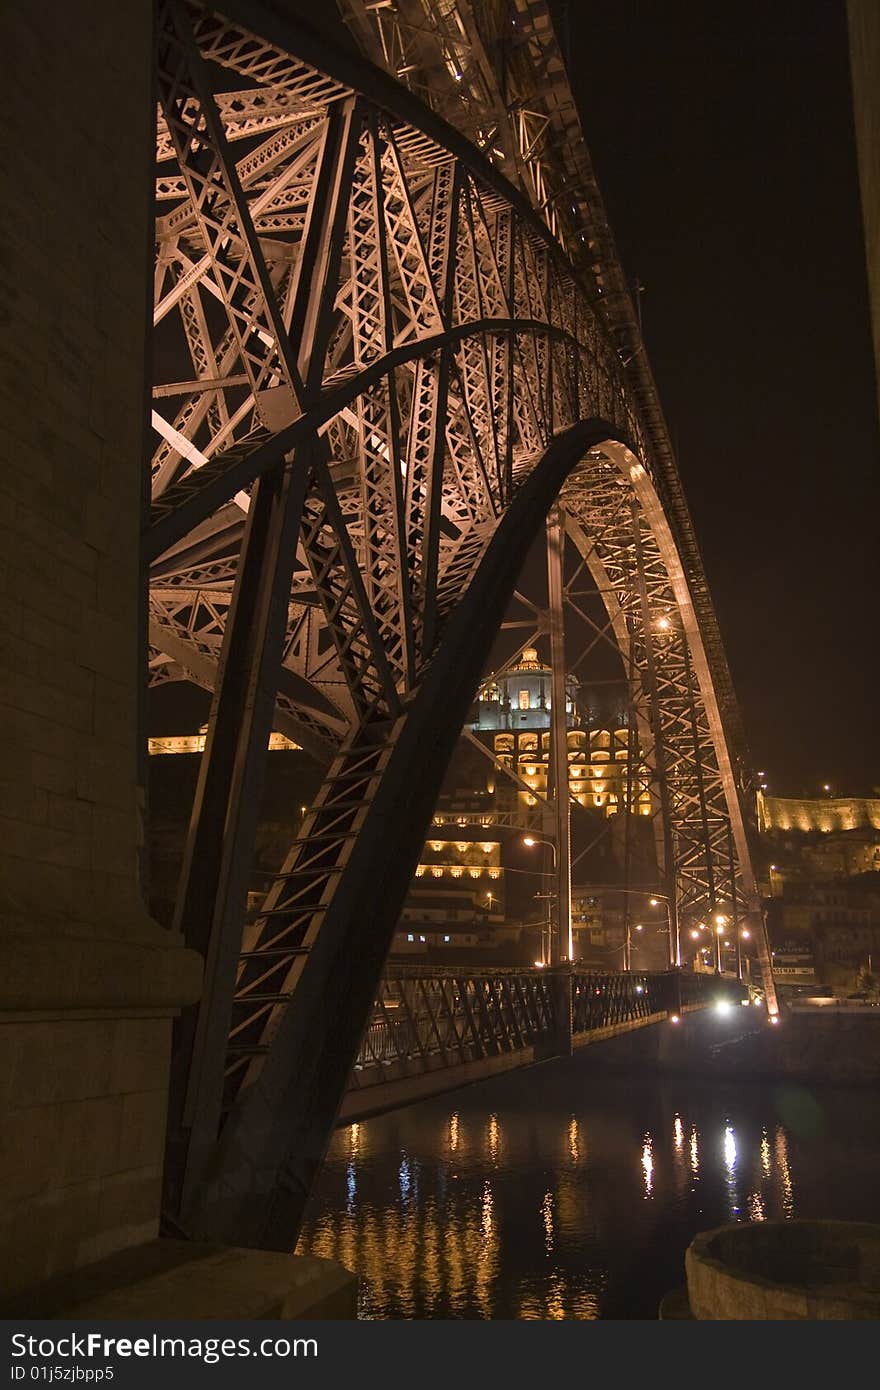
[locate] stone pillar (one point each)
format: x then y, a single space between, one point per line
88 983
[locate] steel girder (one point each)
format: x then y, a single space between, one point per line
382 396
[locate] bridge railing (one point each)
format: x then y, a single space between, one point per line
600 1001
426 1019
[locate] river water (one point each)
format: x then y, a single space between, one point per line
554 1192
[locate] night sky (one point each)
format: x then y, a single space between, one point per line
723 141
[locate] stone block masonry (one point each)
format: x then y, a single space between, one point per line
89 985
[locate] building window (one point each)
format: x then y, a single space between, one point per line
446 939
410 936
523 699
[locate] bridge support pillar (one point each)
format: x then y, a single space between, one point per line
562 1043
89 984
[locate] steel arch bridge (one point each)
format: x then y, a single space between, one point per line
377 373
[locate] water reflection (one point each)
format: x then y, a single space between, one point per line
695 1153
730 1171
648 1164
557 1194
678 1133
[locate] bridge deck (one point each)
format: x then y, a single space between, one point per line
435 1031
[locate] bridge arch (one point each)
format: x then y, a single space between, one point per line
393 374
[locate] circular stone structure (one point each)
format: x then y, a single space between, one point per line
785 1270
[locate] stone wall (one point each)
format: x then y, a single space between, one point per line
88 983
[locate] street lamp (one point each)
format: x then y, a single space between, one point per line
674 947
532 840
720 924
563 950
546 927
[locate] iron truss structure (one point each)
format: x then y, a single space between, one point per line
377 372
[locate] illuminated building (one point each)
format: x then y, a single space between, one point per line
823 858
195 743
456 899
512 715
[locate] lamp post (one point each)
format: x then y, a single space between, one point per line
546 927
720 922
674 944
560 941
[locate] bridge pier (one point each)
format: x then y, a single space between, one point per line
89 984
561 1041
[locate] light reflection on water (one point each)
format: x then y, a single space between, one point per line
554 1193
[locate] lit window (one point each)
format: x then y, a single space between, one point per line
523 699
446 939
421 938
410 936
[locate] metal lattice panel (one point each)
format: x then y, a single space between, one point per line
376 362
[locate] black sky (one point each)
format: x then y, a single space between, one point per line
722 136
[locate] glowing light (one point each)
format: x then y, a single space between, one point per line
640 989
539 964
678 1133
674 1018
654 902
723 1006
745 934
663 624
695 935
639 927
527 840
